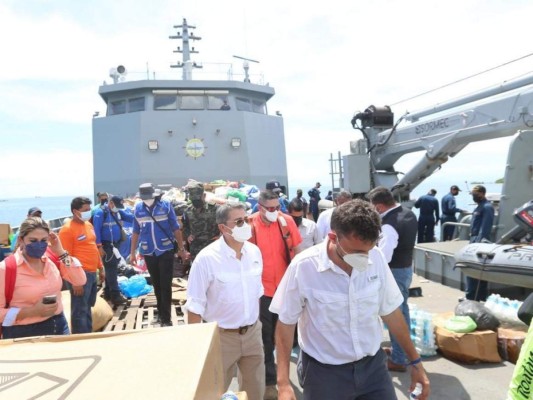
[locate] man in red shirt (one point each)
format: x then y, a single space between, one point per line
277 236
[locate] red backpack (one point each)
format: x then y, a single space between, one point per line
11 278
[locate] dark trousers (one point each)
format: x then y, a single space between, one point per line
110 261
313 206
448 230
56 325
161 271
366 379
426 229
476 289
269 321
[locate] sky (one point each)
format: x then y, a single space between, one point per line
326 61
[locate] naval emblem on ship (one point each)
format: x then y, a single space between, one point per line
195 147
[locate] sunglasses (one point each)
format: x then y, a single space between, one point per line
240 221
271 209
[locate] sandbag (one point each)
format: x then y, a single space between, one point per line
481 315
101 312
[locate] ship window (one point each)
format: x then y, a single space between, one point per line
136 104
118 107
243 104
217 103
259 106
191 102
165 102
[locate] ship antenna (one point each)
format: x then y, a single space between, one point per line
246 66
187 64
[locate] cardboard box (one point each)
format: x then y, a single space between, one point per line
5 231
469 348
182 362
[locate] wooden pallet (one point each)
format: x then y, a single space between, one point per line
141 313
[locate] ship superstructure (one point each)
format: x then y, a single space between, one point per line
167 131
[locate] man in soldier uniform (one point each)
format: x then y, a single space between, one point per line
199 220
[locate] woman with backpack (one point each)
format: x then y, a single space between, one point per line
30 283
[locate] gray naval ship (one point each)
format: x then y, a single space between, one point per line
168 131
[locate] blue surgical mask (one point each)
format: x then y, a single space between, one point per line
85 215
36 249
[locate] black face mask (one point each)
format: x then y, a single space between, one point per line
103 201
298 220
477 198
197 203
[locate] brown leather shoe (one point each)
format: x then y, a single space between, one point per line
396 367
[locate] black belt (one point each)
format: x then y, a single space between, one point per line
241 330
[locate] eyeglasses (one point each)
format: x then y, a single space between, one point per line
271 209
240 221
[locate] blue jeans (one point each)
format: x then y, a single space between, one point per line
403 277
80 306
56 325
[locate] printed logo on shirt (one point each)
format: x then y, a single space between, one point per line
372 278
82 237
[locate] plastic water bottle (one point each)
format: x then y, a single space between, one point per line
417 392
229 396
425 335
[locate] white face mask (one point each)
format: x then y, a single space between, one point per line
149 202
114 209
85 215
242 233
272 216
357 261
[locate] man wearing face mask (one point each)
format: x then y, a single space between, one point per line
306 227
337 292
107 221
277 237
199 220
158 234
397 242
224 287
324 219
102 198
79 240
480 229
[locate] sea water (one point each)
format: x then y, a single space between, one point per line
14 211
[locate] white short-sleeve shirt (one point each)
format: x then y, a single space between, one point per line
338 315
309 233
224 289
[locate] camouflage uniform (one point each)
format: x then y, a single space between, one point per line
199 222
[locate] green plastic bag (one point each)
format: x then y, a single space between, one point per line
237 194
460 324
521 385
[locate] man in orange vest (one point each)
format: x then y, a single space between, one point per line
277 236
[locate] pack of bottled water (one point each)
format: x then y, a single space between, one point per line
422 331
504 309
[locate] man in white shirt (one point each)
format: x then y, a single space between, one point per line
337 292
324 219
397 241
225 287
307 227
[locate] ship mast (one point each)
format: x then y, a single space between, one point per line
187 64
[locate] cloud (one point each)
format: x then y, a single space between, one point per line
324 62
